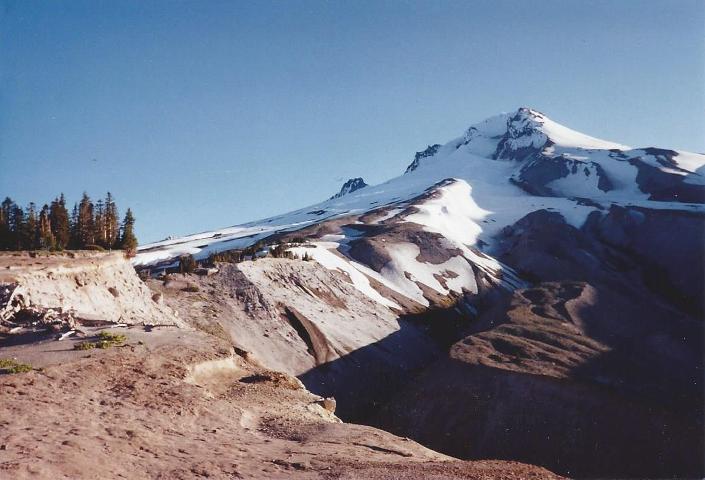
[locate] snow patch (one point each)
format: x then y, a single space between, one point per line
323 254
403 271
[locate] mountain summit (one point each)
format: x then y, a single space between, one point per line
553 160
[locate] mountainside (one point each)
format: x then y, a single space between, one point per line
597 366
512 164
522 263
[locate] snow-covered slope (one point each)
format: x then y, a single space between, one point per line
465 192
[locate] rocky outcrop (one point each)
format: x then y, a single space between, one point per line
523 137
667 245
430 151
352 185
666 186
537 175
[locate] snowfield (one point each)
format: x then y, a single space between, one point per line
467 191
404 271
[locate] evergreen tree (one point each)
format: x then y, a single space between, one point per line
52 228
112 228
128 241
29 237
17 228
187 264
99 224
85 222
60 224
5 233
46 236
74 235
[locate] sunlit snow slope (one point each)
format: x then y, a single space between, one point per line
498 171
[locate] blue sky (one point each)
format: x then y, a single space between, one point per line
204 114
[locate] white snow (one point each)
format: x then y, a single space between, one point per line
469 212
403 262
391 213
323 254
690 161
567 137
453 213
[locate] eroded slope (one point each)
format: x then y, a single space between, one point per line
595 370
172 402
91 285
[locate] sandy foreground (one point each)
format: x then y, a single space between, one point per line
176 403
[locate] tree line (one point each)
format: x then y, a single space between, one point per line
89 226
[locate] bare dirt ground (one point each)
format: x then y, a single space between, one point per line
175 403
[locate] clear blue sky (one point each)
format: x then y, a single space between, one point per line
204 114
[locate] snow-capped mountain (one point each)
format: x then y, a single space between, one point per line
561 274
503 168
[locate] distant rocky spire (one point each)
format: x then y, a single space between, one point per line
429 152
350 186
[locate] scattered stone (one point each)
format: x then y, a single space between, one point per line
18 315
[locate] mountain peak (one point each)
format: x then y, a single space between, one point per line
518 154
535 128
530 112
350 186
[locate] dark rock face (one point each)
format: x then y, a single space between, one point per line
350 186
371 248
361 380
596 370
667 245
522 124
539 169
665 186
663 156
430 151
535 175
